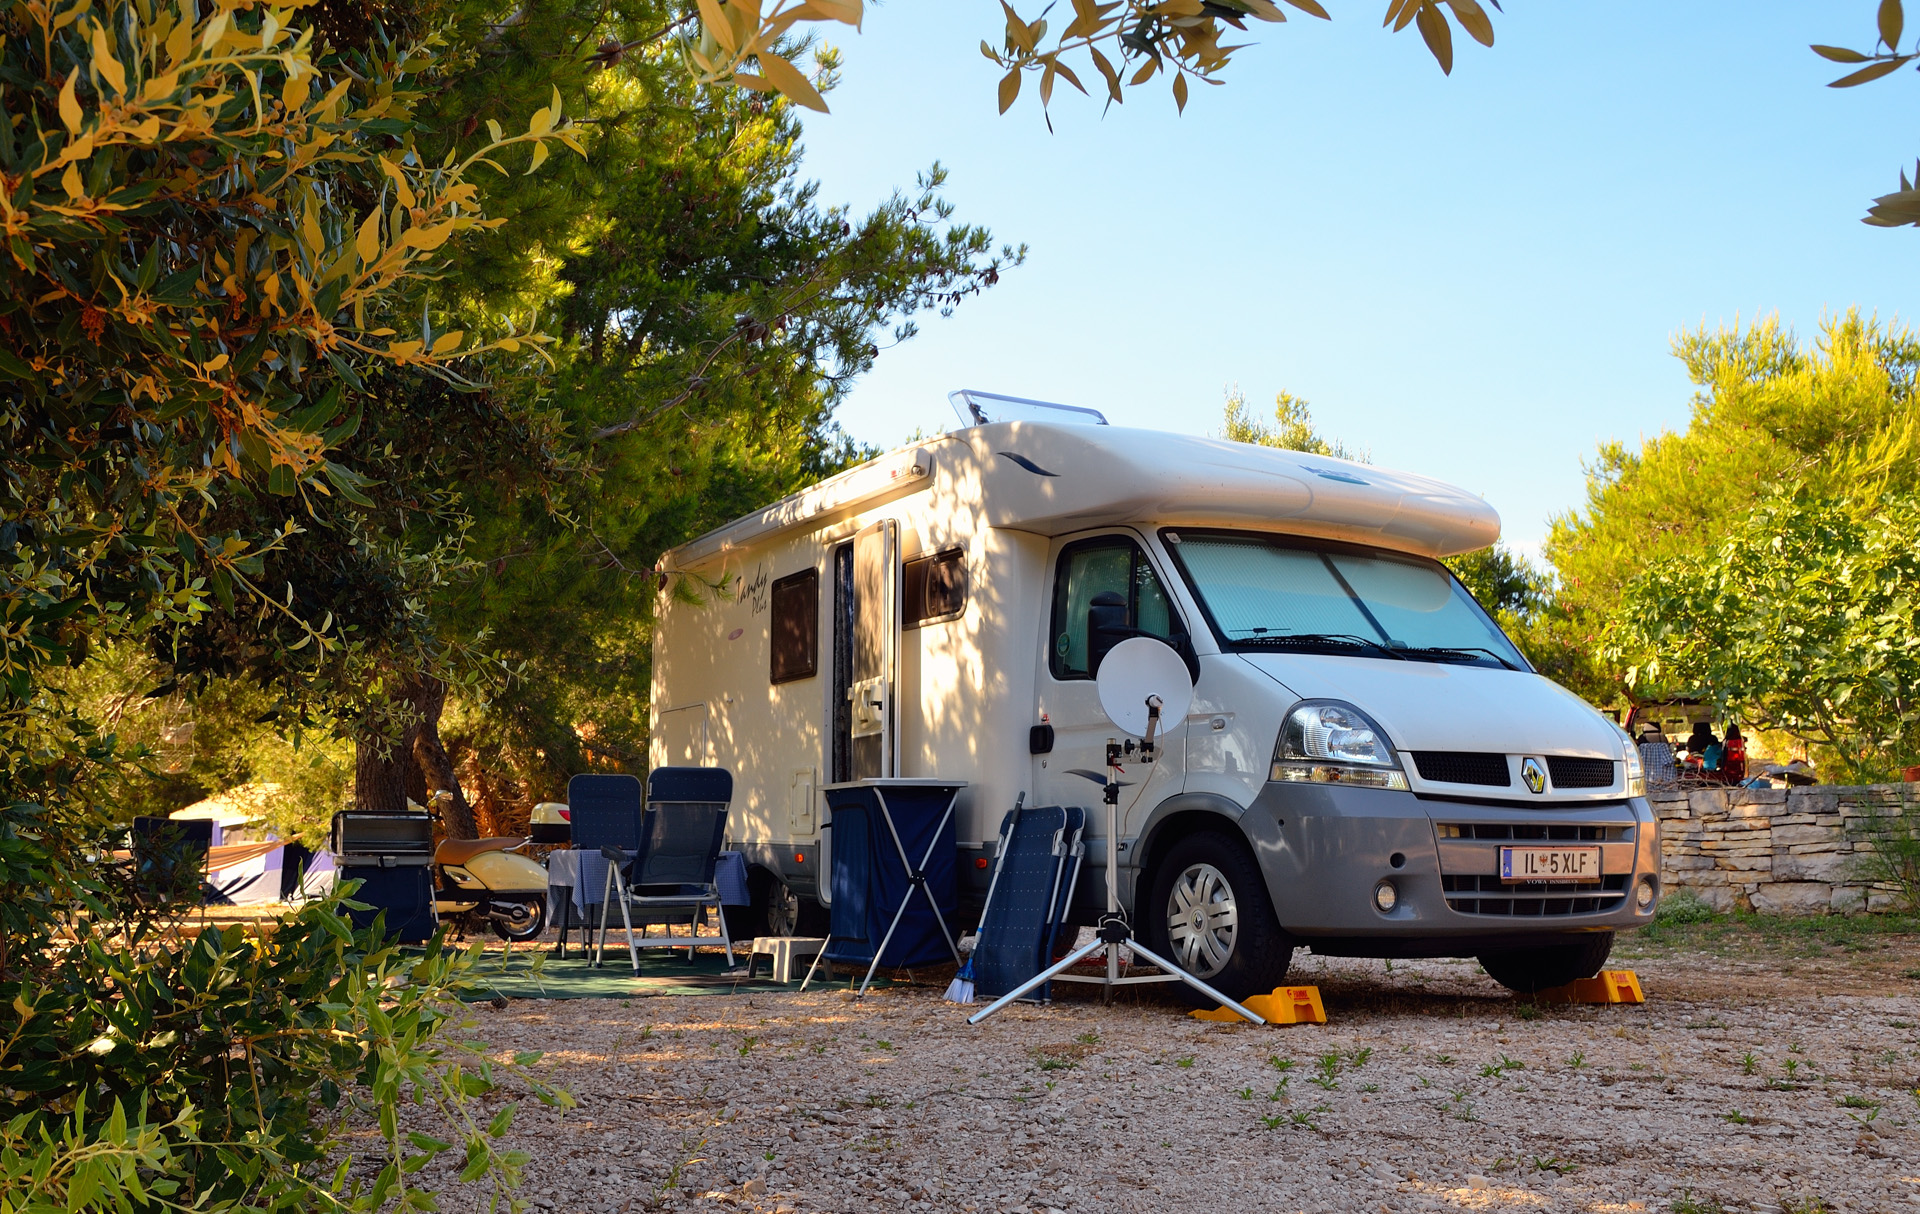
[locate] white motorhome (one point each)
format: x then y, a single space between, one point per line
1369 768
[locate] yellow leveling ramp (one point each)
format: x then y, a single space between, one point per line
1287 1005
1612 986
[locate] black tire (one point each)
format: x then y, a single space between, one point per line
531 930
1240 949
1528 971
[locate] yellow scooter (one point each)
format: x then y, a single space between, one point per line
490 876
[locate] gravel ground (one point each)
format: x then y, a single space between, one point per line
1762 1079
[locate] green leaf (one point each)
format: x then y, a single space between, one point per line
1891 20
1839 54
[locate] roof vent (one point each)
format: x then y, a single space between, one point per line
977 408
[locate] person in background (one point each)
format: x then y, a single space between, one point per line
1711 757
1656 759
1733 759
1698 741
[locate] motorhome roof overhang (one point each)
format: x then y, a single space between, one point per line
1051 479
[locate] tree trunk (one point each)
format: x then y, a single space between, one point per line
431 759
380 780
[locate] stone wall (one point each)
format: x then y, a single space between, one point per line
1779 851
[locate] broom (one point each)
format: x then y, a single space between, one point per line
960 990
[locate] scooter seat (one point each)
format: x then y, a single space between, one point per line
460 851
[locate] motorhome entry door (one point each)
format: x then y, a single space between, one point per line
872 720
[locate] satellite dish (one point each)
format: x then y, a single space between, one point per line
1139 667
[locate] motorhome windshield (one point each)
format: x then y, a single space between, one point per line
1277 593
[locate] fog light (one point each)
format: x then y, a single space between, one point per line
1385 896
1643 896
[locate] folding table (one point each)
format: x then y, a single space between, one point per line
887 840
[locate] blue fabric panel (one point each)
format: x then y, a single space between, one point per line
870 882
1017 925
405 895
713 784
852 877
605 811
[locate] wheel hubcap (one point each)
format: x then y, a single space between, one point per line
1203 920
783 910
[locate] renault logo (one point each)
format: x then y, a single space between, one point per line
1533 774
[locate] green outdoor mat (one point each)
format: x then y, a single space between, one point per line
662 972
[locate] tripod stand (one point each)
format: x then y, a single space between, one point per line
1114 931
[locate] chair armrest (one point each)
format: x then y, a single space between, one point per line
614 855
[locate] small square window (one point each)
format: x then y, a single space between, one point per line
796 626
933 588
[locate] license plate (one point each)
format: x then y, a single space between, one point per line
1549 864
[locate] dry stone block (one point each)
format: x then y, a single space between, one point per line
1789 835
1793 898
1829 867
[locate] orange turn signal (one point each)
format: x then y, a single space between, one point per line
980 862
799 858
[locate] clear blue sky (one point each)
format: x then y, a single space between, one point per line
1476 277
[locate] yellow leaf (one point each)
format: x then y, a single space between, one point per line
556 103
789 80
404 349
179 42
448 341
367 243
1009 89
294 95
1180 92
493 130
69 104
215 363
847 11
310 234
509 345
539 157
542 121
216 29
104 62
71 183
430 237
715 22
747 80
407 198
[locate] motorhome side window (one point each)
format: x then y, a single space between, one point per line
796 626
933 588
1103 590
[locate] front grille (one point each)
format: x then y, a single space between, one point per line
1533 899
1571 772
1532 831
1463 767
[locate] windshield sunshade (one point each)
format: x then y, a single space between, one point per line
1274 592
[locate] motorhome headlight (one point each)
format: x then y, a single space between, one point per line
1327 742
1630 753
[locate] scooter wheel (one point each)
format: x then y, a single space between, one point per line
530 930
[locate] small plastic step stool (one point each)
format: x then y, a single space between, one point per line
1286 1005
784 950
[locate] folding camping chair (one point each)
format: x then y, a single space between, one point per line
1030 896
672 872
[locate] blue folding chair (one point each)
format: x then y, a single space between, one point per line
672 872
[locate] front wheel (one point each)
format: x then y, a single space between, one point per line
528 919
1208 912
1528 971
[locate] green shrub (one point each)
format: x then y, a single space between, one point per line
1683 906
225 1073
